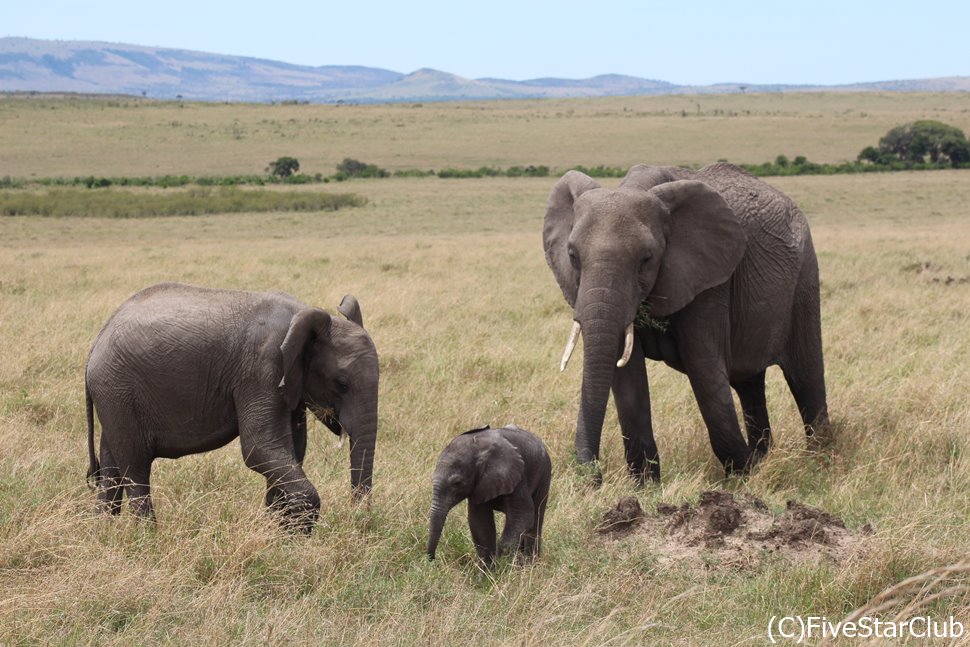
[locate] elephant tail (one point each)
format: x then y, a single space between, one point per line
93 466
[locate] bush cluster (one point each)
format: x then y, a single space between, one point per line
355 168
482 171
601 171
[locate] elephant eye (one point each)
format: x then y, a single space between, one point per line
573 258
342 385
645 261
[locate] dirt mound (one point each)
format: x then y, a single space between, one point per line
727 531
621 519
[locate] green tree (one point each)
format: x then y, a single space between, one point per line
284 166
915 142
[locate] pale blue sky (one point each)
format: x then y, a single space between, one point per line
701 42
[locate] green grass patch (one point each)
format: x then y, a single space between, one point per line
69 201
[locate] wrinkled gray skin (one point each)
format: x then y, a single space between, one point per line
180 370
728 261
506 470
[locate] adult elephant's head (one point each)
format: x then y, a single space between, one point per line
653 240
331 366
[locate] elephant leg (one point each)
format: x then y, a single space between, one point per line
531 544
802 361
298 426
703 334
481 521
751 392
275 497
128 466
267 446
520 521
137 479
809 393
110 489
631 394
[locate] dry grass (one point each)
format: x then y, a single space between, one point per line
469 324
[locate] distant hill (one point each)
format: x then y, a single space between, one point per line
32 65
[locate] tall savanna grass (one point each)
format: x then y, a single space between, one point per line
133 203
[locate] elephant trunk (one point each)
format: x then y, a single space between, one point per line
363 438
440 507
603 323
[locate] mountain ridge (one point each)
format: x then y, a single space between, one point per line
35 65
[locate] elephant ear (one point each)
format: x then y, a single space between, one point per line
498 467
705 242
557 227
351 309
306 326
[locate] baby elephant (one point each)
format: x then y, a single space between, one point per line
504 469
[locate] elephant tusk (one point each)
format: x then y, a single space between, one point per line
340 441
627 346
570 345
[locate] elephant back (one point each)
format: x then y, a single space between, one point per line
761 208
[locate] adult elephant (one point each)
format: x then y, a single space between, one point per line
179 369
712 272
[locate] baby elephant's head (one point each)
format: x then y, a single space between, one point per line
478 465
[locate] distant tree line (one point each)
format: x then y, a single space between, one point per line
920 145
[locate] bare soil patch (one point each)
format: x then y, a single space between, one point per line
727 531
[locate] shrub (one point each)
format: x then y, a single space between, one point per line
284 167
528 171
482 171
601 171
355 168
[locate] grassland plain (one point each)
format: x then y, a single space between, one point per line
80 137
470 324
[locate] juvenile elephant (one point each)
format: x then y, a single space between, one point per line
505 469
712 272
179 369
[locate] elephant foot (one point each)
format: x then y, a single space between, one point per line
297 512
819 438
740 465
591 473
648 475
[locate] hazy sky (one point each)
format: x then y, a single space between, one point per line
700 42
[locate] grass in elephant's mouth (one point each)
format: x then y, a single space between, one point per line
467 318
645 320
